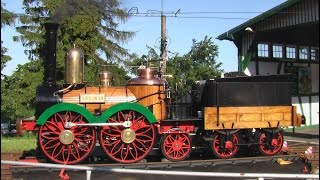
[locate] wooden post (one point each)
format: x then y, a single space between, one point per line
163 49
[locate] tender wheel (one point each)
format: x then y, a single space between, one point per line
270 143
66 146
127 145
176 147
225 147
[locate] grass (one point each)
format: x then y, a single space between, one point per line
303 127
18 144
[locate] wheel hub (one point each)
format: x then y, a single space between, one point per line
128 136
228 145
66 137
274 142
176 145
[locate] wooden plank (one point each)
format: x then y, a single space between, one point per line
248 110
248 117
245 125
275 116
113 95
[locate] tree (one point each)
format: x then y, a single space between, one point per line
198 64
92 25
152 59
19 92
89 24
7 19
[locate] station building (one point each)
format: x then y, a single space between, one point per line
284 39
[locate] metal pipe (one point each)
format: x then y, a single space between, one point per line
162 172
63 90
125 124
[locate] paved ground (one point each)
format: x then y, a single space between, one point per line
307 134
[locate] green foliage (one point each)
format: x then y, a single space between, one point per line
91 25
18 91
152 59
4 58
119 74
7 19
199 64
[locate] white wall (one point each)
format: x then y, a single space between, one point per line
305 107
315 109
315 77
265 68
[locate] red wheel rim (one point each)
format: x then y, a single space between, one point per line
176 147
270 146
66 146
141 137
223 148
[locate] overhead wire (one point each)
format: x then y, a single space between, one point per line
194 17
154 13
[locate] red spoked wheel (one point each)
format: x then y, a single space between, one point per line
225 147
127 145
66 145
176 147
270 143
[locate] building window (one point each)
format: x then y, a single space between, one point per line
314 54
303 53
263 50
290 52
277 51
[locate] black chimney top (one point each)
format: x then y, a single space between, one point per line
50 54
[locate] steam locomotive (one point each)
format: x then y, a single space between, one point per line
127 122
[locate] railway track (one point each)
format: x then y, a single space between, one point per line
300 148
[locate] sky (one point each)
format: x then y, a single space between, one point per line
195 20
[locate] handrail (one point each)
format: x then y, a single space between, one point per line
161 172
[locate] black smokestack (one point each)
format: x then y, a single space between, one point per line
50 54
